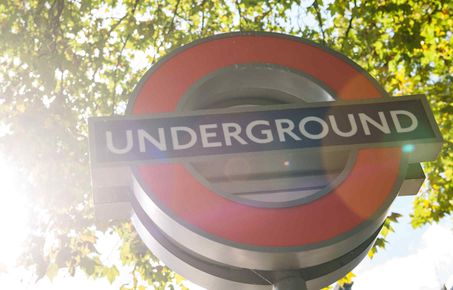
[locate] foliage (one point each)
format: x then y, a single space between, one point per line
386 229
63 61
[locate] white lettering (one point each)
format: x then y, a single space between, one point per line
320 135
143 135
397 123
175 140
365 120
232 134
288 129
113 149
206 135
266 132
337 131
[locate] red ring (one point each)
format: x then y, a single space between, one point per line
362 194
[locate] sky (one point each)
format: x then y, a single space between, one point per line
413 259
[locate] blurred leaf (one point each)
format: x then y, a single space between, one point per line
52 271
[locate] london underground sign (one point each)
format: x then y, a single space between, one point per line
260 160
208 132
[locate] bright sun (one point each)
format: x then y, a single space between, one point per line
13 215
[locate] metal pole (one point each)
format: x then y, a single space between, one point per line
289 281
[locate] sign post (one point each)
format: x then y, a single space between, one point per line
259 161
290 281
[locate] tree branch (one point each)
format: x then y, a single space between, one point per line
265 14
346 34
202 18
320 22
172 22
132 12
118 61
239 13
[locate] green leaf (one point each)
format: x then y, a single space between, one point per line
111 273
52 271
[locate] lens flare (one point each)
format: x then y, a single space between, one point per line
408 148
13 214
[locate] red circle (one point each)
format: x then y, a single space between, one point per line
357 199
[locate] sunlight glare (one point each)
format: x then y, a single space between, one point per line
13 214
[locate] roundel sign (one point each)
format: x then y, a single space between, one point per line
253 157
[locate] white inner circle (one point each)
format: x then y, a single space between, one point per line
267 178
